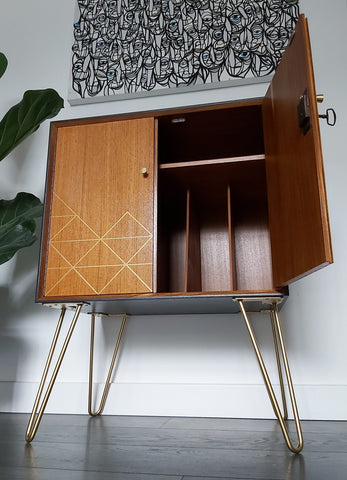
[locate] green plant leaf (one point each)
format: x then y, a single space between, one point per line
3 64
17 224
26 117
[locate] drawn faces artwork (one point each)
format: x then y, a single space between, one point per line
132 46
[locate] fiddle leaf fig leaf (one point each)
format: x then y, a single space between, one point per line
3 64
17 223
25 117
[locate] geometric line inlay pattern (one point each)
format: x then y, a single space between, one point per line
99 259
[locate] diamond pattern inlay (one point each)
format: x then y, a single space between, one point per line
113 262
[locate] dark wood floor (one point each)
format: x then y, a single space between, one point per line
142 448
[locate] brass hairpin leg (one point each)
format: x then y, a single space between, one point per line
92 412
279 345
279 365
37 412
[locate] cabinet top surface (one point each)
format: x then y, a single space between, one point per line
161 112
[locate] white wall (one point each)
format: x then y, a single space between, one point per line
171 365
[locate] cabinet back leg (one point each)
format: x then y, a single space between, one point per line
99 410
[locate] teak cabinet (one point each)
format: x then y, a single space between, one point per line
200 209
218 199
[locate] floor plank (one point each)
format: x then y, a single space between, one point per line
49 474
160 448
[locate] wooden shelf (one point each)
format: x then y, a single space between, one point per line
213 162
231 132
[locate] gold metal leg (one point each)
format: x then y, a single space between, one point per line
37 412
279 366
279 347
92 412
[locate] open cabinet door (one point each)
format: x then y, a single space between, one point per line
298 214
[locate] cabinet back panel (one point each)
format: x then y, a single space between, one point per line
214 245
252 248
202 135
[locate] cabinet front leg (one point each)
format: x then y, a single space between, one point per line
37 412
280 354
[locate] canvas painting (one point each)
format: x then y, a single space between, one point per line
124 48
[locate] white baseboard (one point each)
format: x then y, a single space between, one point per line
315 402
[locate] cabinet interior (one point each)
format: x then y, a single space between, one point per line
213 233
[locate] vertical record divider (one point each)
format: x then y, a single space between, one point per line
232 260
192 280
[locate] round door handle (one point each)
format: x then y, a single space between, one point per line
144 172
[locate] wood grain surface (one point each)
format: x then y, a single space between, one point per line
101 213
298 211
168 448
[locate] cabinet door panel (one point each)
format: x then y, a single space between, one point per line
100 238
298 214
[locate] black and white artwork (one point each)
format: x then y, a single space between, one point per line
140 46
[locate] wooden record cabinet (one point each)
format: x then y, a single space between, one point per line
223 198
185 210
